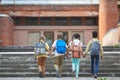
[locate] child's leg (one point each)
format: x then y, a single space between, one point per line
77 66
73 64
92 64
40 64
96 64
43 65
60 64
56 65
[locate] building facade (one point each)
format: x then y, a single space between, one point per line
22 22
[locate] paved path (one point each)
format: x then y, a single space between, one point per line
54 78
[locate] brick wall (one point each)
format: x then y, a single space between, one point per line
6 25
108 16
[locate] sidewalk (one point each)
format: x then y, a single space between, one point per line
54 78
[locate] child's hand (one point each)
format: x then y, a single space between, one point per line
84 56
35 57
101 57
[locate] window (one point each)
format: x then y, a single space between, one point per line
49 37
17 21
89 21
56 21
45 21
76 21
31 21
61 21
33 37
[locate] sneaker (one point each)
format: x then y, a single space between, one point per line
43 76
40 74
73 72
59 76
76 77
57 73
95 76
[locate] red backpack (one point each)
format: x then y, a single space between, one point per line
76 50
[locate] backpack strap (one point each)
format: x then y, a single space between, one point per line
73 44
95 40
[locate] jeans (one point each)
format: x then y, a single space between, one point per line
75 65
94 64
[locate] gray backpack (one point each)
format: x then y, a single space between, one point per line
40 48
95 48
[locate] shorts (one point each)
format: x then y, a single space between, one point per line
41 60
59 60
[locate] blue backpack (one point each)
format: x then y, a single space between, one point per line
40 48
95 48
61 46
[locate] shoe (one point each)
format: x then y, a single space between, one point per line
76 77
73 72
43 76
40 74
59 76
57 73
95 76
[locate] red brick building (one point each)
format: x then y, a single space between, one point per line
22 22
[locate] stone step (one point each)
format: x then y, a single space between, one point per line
105 70
53 74
30 58
65 62
18 61
31 48
51 65
22 54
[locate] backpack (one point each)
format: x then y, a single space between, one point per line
61 46
40 48
95 48
76 50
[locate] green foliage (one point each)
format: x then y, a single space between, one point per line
102 78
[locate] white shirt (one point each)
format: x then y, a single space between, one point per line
55 52
76 41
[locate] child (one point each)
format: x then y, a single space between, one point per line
76 54
40 54
96 50
59 56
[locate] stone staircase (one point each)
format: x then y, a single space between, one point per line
19 61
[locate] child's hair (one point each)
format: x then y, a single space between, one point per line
77 36
42 37
60 35
95 34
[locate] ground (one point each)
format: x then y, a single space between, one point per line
54 78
